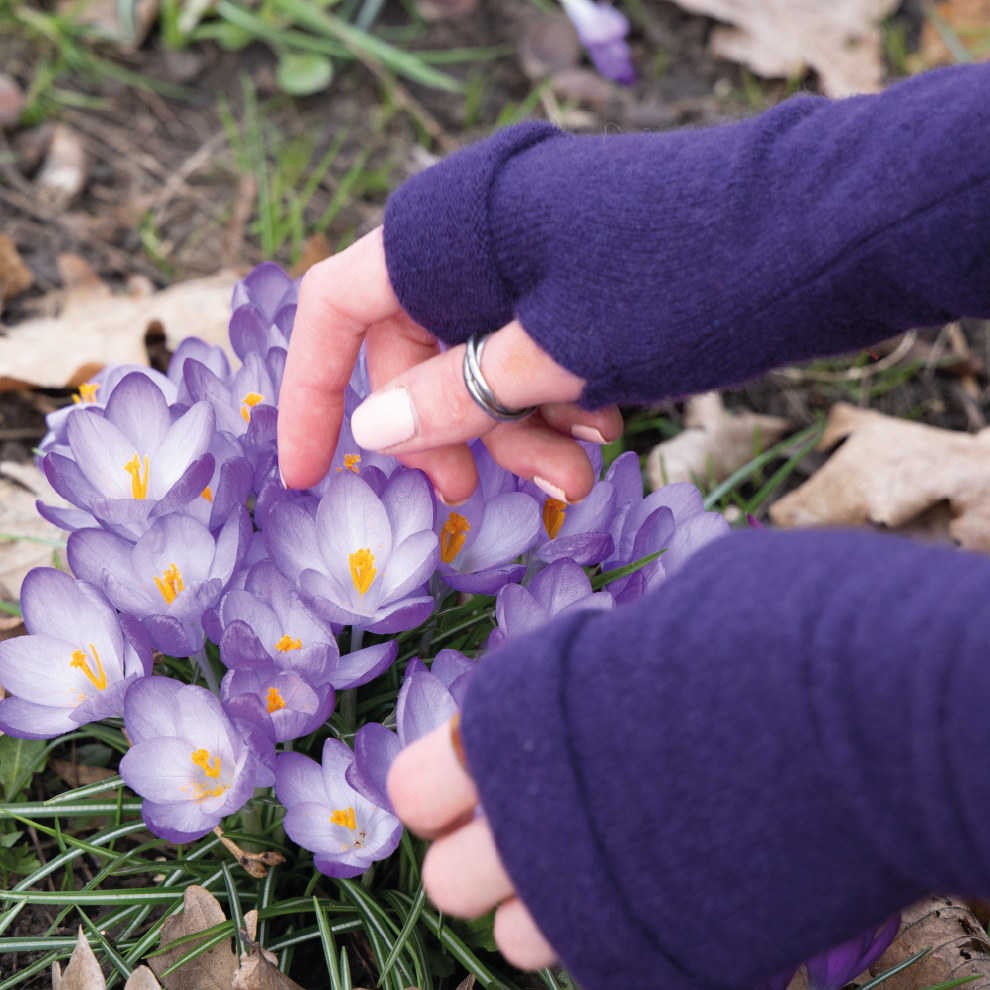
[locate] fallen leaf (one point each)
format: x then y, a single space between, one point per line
714 442
141 979
779 38
21 485
214 970
80 775
47 351
260 971
11 101
103 17
15 276
548 46
582 85
83 971
65 170
32 145
316 249
889 471
960 946
467 984
968 19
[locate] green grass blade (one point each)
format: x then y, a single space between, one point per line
111 953
463 954
779 476
600 580
110 784
46 540
37 809
236 914
11 608
329 946
343 191
887 974
10 916
29 971
198 950
747 470
381 930
403 936
224 928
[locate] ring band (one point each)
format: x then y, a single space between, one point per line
478 387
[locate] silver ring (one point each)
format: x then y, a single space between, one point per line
478 387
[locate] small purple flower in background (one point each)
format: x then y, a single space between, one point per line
602 30
169 578
833 969
263 309
188 761
77 663
753 522
428 699
561 587
283 662
132 464
95 394
363 560
326 815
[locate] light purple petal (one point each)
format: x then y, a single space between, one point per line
558 585
593 513
362 666
298 780
448 665
409 502
27 720
424 703
625 476
410 565
510 527
401 615
290 538
180 822
375 747
486 582
582 548
139 410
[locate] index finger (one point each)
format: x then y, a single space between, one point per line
339 300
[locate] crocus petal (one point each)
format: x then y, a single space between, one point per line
448 665
517 610
626 477
691 536
67 478
171 636
138 409
27 720
240 647
298 779
556 586
290 538
408 500
582 548
362 666
399 616
375 747
104 703
160 769
182 821
599 600
189 486
424 703
486 582
150 708
510 526
70 519
102 451
593 513
410 565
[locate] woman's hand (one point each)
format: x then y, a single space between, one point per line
462 873
420 410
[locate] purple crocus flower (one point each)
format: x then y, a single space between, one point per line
602 30
479 539
646 529
169 578
188 760
227 488
327 816
283 661
76 664
561 587
95 394
132 464
210 355
263 309
363 560
833 969
428 699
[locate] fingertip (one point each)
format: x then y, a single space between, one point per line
519 939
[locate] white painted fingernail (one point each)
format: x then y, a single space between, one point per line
588 434
282 479
447 502
552 490
384 419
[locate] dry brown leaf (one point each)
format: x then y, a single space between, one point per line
889 471
80 775
214 970
467 984
15 276
714 441
960 946
102 17
21 485
142 979
48 351
840 40
260 971
83 971
65 170
316 249
11 101
582 85
549 45
970 19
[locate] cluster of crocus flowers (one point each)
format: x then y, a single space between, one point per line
182 535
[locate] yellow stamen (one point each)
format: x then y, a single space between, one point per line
274 700
207 494
170 583
345 818
553 516
87 392
250 401
79 660
139 488
288 643
363 570
452 536
351 462
201 758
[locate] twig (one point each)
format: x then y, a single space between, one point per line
175 181
117 143
247 191
960 347
122 261
853 374
406 101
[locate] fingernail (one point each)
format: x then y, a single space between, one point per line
282 479
588 434
447 502
553 491
384 419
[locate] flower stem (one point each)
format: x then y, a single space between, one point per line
203 661
348 698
